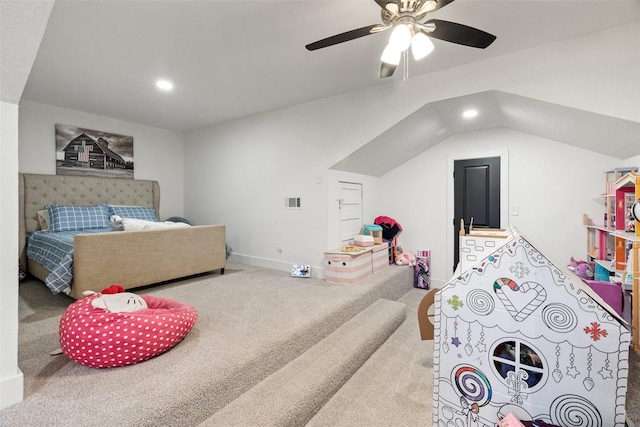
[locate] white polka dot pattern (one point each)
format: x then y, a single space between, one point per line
96 338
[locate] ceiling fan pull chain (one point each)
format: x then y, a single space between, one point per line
405 60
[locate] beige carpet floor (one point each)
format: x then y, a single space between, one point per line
255 308
251 323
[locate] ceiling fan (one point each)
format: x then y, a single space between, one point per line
410 30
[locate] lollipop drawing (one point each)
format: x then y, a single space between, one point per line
474 389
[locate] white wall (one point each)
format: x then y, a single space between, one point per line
22 26
158 153
239 172
552 184
633 161
11 379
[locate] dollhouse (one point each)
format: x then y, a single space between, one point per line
518 334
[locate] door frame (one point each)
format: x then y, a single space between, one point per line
340 222
504 196
332 180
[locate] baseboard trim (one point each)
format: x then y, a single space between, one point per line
12 390
317 272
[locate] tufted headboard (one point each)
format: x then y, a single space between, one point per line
35 191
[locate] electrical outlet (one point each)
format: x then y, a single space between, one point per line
279 247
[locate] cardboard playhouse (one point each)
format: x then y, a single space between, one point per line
517 334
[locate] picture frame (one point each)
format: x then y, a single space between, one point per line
86 152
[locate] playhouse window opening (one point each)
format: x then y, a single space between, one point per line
516 361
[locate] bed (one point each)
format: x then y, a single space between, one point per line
102 258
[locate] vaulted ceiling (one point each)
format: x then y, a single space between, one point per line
437 121
234 59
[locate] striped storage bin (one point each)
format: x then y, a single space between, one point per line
379 257
347 267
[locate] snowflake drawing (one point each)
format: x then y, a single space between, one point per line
455 302
519 270
595 331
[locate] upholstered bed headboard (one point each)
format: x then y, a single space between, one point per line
36 190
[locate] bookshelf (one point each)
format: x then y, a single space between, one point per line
614 246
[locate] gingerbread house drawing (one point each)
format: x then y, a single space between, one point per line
516 333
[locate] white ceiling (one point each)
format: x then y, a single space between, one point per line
232 59
436 121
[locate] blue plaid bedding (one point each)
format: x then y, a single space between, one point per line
54 250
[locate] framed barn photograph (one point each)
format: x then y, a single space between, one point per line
88 152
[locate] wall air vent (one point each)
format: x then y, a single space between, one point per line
292 203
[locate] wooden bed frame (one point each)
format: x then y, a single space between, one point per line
130 259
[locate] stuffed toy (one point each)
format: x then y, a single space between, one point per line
582 269
397 252
115 300
406 258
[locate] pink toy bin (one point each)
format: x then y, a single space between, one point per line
610 292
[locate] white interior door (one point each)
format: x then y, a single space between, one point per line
350 205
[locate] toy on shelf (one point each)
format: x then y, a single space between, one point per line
390 230
374 231
352 248
407 258
390 227
391 252
364 241
300 270
423 262
581 268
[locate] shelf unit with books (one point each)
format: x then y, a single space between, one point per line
614 246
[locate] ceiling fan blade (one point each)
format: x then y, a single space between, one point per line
386 70
343 37
383 4
428 6
441 4
460 34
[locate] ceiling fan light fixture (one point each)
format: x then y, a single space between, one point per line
421 45
391 55
400 37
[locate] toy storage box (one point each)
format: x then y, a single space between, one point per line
422 269
347 267
379 257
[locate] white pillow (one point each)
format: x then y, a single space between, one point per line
141 224
43 219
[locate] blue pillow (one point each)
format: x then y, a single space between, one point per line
136 212
76 218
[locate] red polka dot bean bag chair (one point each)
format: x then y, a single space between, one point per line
115 328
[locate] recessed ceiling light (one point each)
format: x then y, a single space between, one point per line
164 85
468 114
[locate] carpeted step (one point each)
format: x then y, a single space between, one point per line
293 394
251 322
393 387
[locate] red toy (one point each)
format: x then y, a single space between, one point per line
114 328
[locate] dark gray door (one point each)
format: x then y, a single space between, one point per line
476 186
